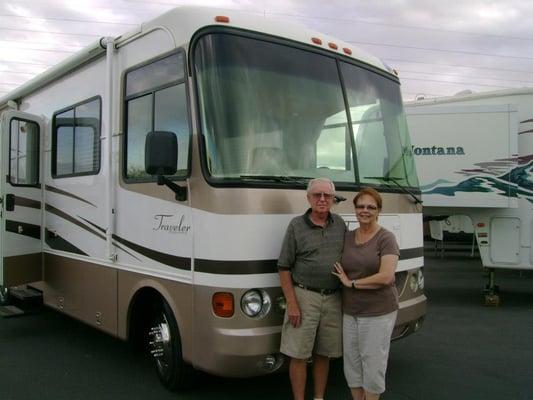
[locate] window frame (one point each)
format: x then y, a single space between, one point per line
152 91
38 183
97 134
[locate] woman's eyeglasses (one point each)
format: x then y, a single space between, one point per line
370 207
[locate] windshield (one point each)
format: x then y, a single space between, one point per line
269 110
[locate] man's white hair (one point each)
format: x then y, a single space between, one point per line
314 181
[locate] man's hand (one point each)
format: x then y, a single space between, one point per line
293 312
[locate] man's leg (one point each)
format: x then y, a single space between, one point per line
320 375
298 376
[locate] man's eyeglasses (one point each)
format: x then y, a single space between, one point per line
318 196
370 207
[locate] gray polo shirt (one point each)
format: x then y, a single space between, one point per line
309 251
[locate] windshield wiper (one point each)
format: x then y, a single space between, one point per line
286 179
395 181
276 178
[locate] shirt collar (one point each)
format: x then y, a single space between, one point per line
307 218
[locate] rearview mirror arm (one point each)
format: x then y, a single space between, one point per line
181 192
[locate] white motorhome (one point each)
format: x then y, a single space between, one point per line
147 181
474 155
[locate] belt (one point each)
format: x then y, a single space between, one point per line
312 289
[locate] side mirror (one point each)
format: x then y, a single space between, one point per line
161 158
161 153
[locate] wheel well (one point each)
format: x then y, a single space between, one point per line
139 314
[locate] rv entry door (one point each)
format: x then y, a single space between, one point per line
21 197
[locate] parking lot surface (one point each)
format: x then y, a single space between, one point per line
465 350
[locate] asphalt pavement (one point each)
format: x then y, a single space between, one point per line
465 350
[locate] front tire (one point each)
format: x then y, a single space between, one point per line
4 295
164 344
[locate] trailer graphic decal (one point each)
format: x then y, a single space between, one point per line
516 183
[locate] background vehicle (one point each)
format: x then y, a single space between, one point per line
474 154
251 109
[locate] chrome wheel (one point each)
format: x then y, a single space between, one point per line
160 341
164 344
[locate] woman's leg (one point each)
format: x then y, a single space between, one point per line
353 368
358 393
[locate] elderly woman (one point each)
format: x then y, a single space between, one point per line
370 298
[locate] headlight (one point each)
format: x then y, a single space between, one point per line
413 283
420 279
416 281
256 303
280 304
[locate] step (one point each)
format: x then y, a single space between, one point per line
27 299
10 311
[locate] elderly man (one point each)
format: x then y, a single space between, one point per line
313 319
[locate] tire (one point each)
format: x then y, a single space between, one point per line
4 295
164 344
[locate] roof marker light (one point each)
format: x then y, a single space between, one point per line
316 40
347 51
480 224
333 46
222 18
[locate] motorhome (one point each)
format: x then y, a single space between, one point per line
474 155
148 180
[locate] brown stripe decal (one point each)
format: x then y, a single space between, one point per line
25 202
267 266
23 228
414 252
115 244
58 243
64 215
528 131
163 258
62 192
236 267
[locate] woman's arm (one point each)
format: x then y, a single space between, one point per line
384 277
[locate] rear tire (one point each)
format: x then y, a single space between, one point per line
164 343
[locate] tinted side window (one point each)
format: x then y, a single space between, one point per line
76 140
23 152
156 100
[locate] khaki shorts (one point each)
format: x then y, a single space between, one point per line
321 329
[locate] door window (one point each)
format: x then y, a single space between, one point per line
23 152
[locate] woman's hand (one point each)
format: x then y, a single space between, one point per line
338 271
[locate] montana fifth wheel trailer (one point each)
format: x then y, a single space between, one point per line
474 155
186 262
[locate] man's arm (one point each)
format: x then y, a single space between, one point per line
293 309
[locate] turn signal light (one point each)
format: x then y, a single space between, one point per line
223 304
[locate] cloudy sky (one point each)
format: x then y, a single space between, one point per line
438 47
